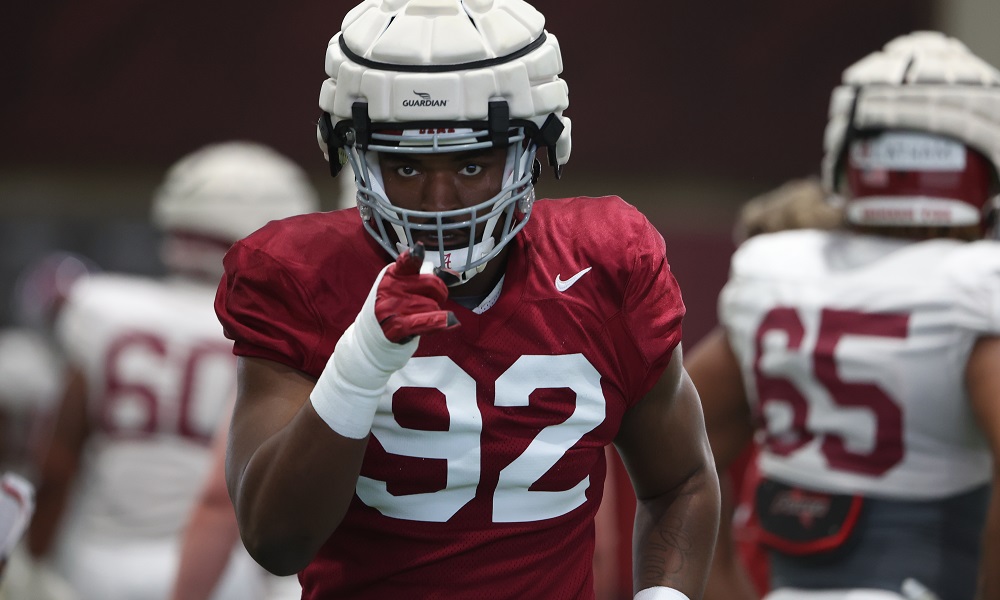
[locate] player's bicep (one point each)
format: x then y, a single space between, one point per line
59 460
982 377
70 428
983 382
715 372
269 395
662 439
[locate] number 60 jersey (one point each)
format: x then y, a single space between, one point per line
160 378
853 349
485 465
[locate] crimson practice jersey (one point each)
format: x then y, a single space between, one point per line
486 462
854 351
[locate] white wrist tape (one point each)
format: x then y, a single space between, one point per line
347 393
660 593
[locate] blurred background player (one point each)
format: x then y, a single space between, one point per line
867 357
740 563
31 364
31 371
211 528
150 376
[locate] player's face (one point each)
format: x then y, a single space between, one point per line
439 182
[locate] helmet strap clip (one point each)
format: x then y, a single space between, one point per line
498 116
548 136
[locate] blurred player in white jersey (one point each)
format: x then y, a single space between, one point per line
211 527
866 360
30 361
796 204
150 377
31 367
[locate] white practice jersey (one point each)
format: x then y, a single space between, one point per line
161 376
853 350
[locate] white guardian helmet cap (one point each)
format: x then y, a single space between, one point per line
435 76
921 83
221 193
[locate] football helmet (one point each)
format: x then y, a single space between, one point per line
910 178
222 193
434 76
913 136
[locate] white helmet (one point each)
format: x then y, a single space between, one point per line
429 76
920 93
222 193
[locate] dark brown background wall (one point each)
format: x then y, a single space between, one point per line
733 89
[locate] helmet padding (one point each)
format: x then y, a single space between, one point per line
925 82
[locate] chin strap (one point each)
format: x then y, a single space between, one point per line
455 260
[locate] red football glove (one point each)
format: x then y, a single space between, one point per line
408 304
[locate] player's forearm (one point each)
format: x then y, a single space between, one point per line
58 473
209 538
58 460
674 536
728 579
989 563
295 491
50 502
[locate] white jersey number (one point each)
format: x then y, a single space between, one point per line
776 388
459 443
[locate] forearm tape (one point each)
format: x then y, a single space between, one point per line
347 393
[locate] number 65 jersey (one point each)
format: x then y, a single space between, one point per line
485 464
853 351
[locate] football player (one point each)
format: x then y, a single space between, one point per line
211 528
150 377
31 367
30 360
426 392
863 359
796 204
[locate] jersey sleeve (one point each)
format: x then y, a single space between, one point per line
976 275
652 307
265 311
73 326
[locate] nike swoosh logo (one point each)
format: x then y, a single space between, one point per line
562 286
